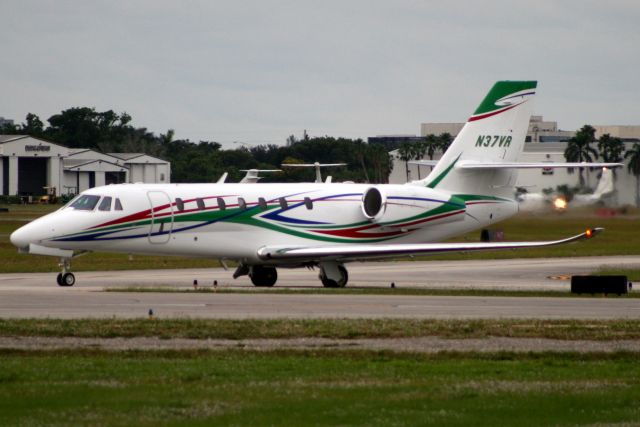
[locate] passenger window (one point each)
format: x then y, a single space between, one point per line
118 205
241 203
85 203
308 203
179 204
200 204
283 203
221 204
263 203
105 204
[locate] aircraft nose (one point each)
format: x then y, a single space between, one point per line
20 238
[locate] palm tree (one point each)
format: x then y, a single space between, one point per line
579 149
167 138
431 145
611 149
444 141
634 167
419 150
405 153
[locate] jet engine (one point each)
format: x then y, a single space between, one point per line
393 205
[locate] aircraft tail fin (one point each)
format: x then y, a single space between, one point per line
494 133
605 184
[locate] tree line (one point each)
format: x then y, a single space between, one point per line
206 161
418 149
582 148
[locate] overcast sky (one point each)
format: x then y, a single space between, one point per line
258 71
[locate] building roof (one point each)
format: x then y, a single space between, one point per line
8 138
70 164
126 156
73 151
137 158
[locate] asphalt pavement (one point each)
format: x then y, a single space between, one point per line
36 294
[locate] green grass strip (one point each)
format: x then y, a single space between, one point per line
326 328
317 388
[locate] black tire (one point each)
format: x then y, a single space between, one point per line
328 283
263 277
59 279
68 279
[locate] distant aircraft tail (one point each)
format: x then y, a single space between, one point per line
605 185
495 133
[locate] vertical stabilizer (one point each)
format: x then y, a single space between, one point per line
494 133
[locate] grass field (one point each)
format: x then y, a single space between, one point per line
632 274
325 328
317 388
621 237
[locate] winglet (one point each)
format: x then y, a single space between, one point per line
592 232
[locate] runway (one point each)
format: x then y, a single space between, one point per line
36 295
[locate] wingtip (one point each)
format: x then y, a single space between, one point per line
592 232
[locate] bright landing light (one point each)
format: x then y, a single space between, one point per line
560 204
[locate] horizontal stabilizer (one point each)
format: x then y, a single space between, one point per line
356 252
535 165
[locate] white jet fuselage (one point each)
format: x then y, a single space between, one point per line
233 221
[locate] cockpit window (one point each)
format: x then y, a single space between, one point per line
118 206
85 202
105 204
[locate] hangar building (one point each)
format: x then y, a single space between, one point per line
29 166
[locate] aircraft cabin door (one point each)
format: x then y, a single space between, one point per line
161 217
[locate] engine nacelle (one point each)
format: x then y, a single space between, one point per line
407 206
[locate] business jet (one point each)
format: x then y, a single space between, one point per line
264 227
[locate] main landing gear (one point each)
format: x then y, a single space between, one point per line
263 276
66 277
333 275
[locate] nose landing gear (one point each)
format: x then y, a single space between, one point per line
66 277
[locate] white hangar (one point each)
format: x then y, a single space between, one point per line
29 166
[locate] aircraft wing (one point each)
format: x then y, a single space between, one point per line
368 251
536 165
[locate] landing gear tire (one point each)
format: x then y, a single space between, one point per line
66 279
340 283
262 276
